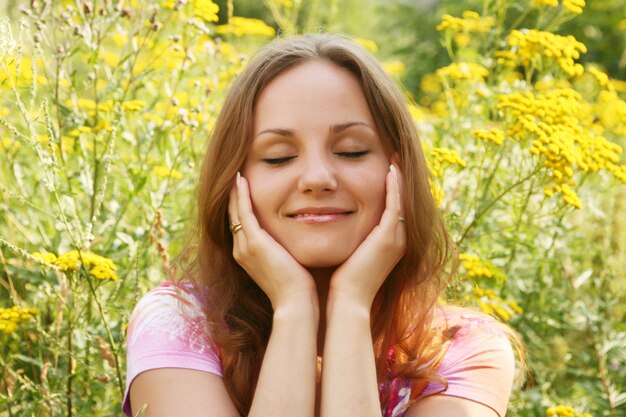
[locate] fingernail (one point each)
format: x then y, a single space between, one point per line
392 168
238 178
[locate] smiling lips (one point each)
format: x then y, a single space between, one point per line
319 215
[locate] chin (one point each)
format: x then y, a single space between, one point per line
310 259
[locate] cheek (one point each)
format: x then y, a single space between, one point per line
265 196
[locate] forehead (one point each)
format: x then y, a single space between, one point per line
315 92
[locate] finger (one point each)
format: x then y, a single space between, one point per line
232 205
393 209
244 206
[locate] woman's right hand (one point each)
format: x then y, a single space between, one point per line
268 263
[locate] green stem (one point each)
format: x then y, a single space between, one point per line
114 348
70 350
489 205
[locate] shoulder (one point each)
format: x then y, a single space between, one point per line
479 363
168 329
171 311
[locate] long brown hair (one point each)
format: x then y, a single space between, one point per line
240 315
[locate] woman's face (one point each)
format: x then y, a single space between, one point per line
316 166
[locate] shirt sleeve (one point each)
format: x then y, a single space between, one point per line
479 364
167 329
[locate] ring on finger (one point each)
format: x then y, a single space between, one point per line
401 219
235 228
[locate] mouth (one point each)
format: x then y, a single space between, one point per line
320 215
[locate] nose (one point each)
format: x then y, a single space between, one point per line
317 174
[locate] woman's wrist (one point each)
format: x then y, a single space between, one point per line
348 305
301 307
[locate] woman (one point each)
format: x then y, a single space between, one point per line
318 236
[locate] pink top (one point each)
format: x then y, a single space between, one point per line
479 364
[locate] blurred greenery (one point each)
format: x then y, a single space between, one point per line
106 106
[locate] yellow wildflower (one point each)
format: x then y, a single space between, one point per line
98 266
491 303
241 26
133 105
287 4
206 10
574 6
153 118
550 3
564 411
163 171
10 318
464 71
417 113
475 267
554 121
471 22
441 157
119 39
9 144
602 78
619 86
437 192
611 112
430 83
47 257
494 135
396 68
530 44
80 130
462 39
368 44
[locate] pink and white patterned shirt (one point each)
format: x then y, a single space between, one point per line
167 330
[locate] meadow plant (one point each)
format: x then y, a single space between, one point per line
105 110
526 157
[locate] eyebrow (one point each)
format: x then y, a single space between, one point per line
334 129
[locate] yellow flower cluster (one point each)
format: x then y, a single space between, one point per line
163 171
602 79
475 267
553 120
440 157
368 44
437 192
10 318
98 266
574 6
550 3
287 4
564 411
204 9
529 45
133 105
395 68
611 112
242 26
489 302
464 71
470 22
494 135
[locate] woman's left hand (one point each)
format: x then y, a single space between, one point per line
360 276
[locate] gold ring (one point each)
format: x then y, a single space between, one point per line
235 227
401 219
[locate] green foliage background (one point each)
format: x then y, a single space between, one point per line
105 110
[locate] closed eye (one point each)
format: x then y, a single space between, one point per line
278 161
356 154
